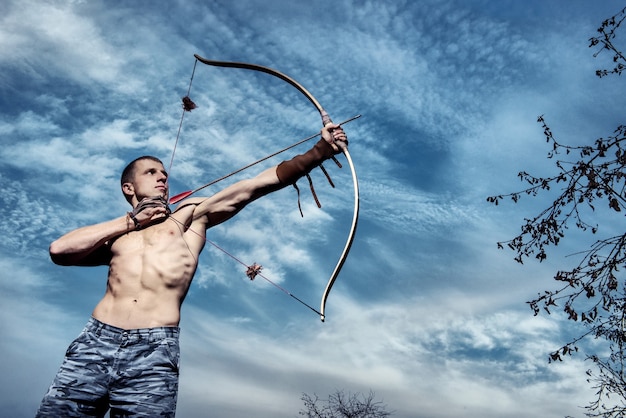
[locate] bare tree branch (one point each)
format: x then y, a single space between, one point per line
342 405
590 180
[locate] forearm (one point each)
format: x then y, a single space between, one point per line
226 203
76 245
290 171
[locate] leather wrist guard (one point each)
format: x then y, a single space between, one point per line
290 171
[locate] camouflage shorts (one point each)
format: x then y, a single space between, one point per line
132 372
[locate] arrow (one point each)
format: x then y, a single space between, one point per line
186 194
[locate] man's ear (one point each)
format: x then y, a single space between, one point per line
128 189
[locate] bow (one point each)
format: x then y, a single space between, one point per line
325 121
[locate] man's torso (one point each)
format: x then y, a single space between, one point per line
150 272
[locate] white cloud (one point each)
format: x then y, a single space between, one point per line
54 34
392 350
426 312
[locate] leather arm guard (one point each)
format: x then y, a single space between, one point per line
290 171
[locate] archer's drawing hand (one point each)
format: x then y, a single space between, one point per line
335 136
149 210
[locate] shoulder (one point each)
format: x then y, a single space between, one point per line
191 202
187 213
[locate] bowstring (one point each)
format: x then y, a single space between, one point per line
182 117
276 285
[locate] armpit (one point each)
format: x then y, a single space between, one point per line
190 219
186 204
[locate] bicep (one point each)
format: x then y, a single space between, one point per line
101 256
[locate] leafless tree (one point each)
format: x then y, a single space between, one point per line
590 181
342 405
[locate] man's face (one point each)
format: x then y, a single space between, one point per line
150 180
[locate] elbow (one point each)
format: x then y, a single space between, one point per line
57 255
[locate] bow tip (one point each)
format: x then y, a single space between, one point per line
323 318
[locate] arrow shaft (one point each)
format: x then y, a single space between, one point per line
186 194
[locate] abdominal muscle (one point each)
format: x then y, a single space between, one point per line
149 275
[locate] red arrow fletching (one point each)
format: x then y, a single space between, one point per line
180 196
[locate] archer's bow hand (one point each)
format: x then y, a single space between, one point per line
334 141
335 136
290 171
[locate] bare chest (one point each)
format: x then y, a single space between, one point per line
154 238
156 256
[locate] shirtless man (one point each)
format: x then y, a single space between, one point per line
126 358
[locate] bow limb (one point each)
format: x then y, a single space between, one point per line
325 118
346 249
325 121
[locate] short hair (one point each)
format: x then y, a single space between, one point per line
129 171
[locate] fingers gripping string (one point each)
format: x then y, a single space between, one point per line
146 203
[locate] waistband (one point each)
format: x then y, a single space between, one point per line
102 329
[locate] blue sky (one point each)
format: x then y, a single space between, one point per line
427 312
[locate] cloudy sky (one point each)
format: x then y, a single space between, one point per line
427 312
